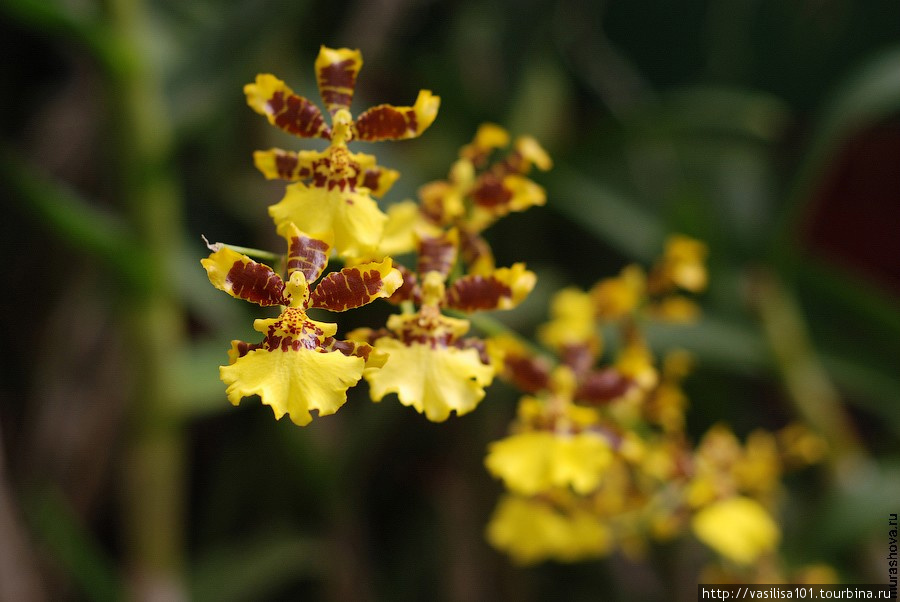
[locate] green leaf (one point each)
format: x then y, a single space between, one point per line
707 109
605 213
72 217
867 96
716 342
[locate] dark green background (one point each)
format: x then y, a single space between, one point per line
769 129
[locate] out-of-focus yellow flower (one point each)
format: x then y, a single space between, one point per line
489 136
666 407
724 468
331 198
299 365
536 461
532 531
682 266
738 528
800 445
675 308
615 298
571 322
714 460
636 362
475 195
667 403
816 573
758 472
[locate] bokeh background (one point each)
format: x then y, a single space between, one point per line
768 129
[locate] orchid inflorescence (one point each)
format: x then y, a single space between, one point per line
597 457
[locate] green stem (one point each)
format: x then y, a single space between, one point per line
154 461
71 217
807 382
493 327
272 258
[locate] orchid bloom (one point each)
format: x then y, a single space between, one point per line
451 372
331 197
299 365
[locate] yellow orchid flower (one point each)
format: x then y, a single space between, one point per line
536 461
299 366
451 372
738 528
531 530
331 198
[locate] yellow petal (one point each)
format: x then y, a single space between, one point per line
617 297
276 163
356 286
435 381
348 220
523 461
378 179
580 461
504 288
533 153
442 201
531 531
262 90
387 122
636 362
520 282
438 253
293 382
759 471
305 253
525 193
572 320
243 278
336 71
738 528
676 308
400 229
536 461
426 109
490 136
685 257
294 114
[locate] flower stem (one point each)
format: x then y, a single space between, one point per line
272 258
809 387
492 327
154 461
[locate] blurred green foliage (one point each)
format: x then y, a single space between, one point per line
769 129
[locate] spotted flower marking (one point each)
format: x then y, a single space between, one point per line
331 197
299 365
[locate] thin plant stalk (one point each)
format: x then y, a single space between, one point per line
154 462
